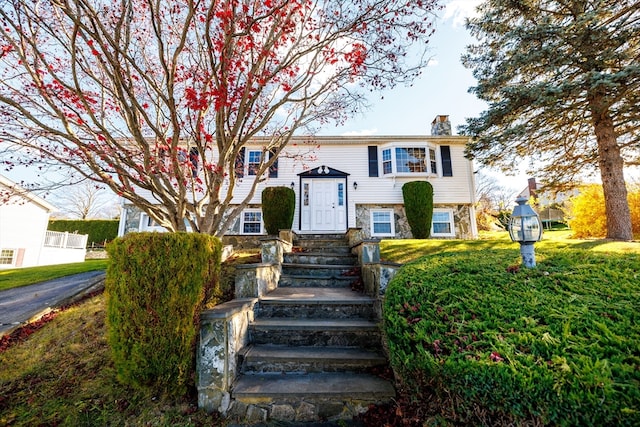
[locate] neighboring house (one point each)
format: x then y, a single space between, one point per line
356 182
548 205
24 239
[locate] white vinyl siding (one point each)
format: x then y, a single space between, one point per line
442 224
382 222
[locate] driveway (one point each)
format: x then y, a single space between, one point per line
19 305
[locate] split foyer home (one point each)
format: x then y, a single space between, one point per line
344 182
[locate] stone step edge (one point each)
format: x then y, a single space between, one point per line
322 255
313 277
318 266
368 301
284 323
271 353
256 388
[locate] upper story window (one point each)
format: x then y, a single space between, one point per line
253 161
409 160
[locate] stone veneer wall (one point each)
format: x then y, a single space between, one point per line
461 216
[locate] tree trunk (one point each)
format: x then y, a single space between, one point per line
612 174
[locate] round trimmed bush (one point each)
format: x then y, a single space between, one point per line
418 206
278 207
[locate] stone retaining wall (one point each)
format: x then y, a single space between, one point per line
223 333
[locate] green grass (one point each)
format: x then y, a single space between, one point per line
487 341
16 277
403 251
63 374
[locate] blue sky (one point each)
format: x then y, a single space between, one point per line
442 88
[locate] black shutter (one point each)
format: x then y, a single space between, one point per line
194 157
273 169
445 156
240 164
373 160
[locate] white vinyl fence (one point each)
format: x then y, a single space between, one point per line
57 239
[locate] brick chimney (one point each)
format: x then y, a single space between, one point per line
533 187
441 126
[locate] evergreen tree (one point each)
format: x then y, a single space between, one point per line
562 83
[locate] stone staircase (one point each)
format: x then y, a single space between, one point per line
313 342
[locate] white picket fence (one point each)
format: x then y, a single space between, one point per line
57 239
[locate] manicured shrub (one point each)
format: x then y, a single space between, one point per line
155 286
99 230
418 206
491 343
278 207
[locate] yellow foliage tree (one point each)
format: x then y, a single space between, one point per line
587 212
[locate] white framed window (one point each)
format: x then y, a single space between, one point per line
251 221
149 224
254 158
433 162
387 161
408 160
382 222
442 224
8 256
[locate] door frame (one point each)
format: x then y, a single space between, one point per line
322 172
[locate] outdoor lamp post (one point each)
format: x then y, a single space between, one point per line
525 228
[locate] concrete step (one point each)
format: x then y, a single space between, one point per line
310 397
271 358
315 332
308 280
329 243
322 258
321 271
324 247
315 302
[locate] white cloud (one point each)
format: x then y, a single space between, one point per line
458 10
363 132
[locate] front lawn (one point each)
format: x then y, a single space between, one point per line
478 340
15 277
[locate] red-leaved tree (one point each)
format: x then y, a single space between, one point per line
156 98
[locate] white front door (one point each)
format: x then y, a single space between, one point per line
325 207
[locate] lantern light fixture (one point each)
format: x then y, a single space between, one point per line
525 228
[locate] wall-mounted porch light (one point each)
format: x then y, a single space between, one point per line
292 185
355 185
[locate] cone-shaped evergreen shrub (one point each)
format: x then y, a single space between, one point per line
278 206
155 286
418 206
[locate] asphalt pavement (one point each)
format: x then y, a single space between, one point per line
20 305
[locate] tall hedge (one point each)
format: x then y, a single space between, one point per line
155 286
418 206
99 230
278 207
